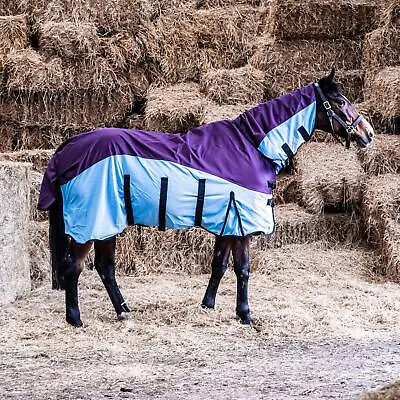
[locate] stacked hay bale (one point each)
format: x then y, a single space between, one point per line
86 70
14 217
381 60
174 108
329 178
192 41
382 210
305 39
37 226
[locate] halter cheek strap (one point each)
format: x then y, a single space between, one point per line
333 116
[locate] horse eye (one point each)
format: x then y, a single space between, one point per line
341 102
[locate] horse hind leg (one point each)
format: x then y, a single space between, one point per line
241 265
104 262
73 265
222 250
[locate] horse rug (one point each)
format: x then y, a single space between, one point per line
219 176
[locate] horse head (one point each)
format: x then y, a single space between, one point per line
337 115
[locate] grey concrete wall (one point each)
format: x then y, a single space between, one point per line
14 223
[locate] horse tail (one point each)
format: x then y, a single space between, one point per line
59 242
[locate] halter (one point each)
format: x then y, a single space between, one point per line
333 116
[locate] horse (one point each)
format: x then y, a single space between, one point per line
219 176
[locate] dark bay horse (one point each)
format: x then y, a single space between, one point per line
219 176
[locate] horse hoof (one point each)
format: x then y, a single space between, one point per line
247 320
75 323
124 316
208 304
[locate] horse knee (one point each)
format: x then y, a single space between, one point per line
218 270
242 272
106 272
73 269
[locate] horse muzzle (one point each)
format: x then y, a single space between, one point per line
363 134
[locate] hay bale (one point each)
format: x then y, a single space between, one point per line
322 19
286 190
65 113
104 80
30 137
294 225
143 250
233 86
13 35
381 48
195 41
79 43
14 218
38 158
381 203
36 179
329 177
69 40
214 112
174 108
28 71
39 253
391 248
109 15
382 91
291 64
383 156
122 51
382 209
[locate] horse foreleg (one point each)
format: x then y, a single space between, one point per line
104 263
222 250
73 265
241 265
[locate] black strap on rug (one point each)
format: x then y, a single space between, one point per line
162 209
232 200
272 185
201 190
305 135
287 150
128 200
270 202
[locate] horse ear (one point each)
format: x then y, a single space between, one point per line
331 75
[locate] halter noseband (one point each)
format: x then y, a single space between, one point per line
333 116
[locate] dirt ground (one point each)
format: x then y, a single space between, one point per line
326 328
